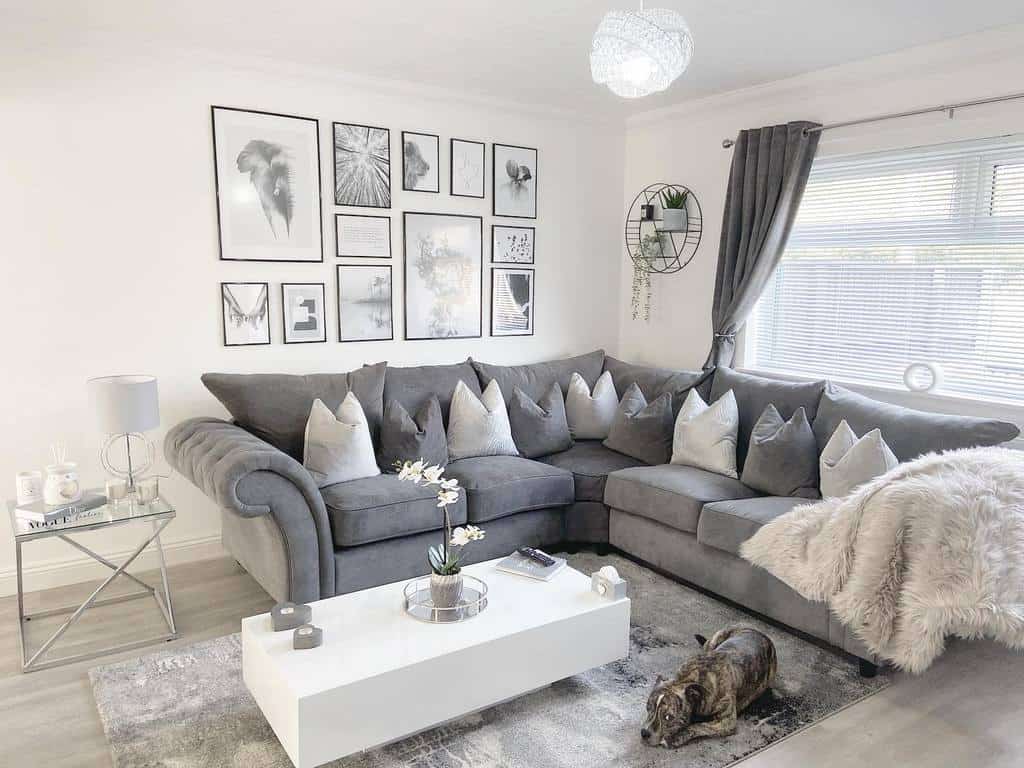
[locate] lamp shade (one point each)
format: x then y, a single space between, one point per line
125 403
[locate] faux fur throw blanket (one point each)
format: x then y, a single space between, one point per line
934 547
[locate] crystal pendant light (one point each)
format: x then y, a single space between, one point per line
636 53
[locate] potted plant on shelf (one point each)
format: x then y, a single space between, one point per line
445 571
673 209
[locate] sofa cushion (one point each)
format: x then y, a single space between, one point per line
640 429
497 486
726 525
909 433
656 381
536 379
275 406
590 411
413 386
590 463
479 426
539 428
755 393
384 507
671 494
408 438
782 459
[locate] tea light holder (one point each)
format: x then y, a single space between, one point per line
116 490
307 636
607 583
147 490
30 486
285 616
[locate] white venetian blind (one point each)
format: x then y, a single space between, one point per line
900 257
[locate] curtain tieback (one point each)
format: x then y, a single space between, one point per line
731 335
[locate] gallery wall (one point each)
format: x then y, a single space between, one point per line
111 247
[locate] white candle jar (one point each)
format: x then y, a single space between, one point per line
62 486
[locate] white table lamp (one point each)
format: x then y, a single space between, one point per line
126 407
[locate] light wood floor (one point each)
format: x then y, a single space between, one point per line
964 712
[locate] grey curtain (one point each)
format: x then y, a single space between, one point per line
766 183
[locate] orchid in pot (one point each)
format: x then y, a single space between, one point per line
445 569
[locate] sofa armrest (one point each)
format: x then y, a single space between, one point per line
249 477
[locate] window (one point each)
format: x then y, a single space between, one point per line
903 257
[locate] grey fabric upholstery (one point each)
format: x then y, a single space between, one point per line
586 522
640 429
909 433
497 486
656 381
384 507
540 427
590 463
275 406
727 524
672 494
258 544
782 458
755 393
384 562
413 386
536 379
409 438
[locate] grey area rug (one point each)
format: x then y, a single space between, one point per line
188 708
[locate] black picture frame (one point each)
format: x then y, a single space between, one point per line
337 242
217 183
284 313
451 168
494 181
405 275
224 319
533 302
533 243
334 142
437 161
337 273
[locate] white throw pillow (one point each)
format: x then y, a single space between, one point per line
479 426
705 435
590 414
338 446
847 462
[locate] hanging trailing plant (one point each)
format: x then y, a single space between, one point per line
650 247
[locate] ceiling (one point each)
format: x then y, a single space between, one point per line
528 51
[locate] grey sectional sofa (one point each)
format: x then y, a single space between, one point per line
302 543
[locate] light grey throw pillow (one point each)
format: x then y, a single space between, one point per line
540 428
407 438
848 461
705 435
783 456
479 426
640 429
590 414
338 446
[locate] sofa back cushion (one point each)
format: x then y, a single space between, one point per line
275 406
755 393
640 429
413 386
654 382
535 380
908 432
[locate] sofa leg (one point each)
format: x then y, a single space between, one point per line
602 550
867 668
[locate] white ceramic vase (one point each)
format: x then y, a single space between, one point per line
445 591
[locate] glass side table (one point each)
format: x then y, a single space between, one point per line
156 516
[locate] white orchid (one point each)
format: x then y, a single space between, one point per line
432 475
449 485
444 498
412 471
462 535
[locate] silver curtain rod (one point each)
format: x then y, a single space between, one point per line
948 108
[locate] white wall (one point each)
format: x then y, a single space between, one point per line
110 260
683 145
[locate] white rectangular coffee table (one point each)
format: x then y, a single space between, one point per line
381 675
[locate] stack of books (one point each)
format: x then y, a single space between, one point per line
40 513
524 566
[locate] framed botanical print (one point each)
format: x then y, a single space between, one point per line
512 245
364 237
364 303
267 177
362 165
466 168
420 161
245 313
443 276
511 302
304 313
514 178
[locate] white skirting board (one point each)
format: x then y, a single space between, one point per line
75 570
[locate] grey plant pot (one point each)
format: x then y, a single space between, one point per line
673 219
445 591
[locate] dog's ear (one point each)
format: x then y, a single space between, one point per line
694 695
701 640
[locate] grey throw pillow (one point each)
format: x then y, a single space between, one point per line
640 429
540 428
408 438
783 456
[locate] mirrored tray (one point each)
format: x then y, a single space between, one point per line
420 605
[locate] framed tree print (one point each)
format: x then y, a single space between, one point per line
364 303
511 302
514 178
304 313
466 168
362 165
443 276
246 313
420 152
512 245
267 178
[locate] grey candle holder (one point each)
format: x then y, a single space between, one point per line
284 616
307 636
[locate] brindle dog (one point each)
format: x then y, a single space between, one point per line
736 666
